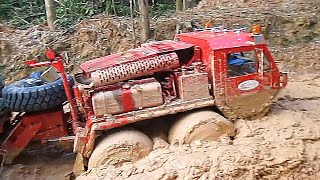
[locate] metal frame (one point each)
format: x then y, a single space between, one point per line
58 64
35 126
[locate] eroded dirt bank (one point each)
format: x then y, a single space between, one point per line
284 144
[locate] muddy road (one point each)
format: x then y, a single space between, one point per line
284 144
40 164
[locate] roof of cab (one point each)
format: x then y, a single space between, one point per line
221 39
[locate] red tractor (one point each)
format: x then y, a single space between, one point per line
190 88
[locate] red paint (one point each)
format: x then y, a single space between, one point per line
34 127
119 121
29 62
214 49
217 40
58 64
147 50
50 54
210 48
40 64
78 95
112 87
88 147
55 132
16 144
226 88
196 56
127 101
88 126
102 124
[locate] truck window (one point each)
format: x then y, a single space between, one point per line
241 63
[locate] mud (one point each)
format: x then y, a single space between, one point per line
284 144
40 166
204 124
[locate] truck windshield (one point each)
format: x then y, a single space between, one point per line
241 63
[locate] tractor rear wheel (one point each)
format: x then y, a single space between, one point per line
126 145
200 125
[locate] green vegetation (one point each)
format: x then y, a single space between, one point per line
25 13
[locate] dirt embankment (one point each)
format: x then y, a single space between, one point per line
300 58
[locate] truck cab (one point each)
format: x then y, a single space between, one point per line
242 72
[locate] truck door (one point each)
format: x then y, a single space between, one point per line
243 82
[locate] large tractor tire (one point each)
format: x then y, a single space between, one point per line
126 145
29 95
200 125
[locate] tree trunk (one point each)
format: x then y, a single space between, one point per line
179 5
132 21
114 7
51 14
189 4
134 6
145 24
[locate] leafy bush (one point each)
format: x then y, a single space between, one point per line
22 13
25 13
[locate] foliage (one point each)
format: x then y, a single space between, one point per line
25 13
22 12
162 9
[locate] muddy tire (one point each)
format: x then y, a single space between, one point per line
126 145
23 96
200 125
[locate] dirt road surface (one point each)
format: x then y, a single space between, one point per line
40 164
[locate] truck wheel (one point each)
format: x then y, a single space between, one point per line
126 145
200 125
29 95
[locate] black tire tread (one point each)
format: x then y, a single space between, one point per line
36 98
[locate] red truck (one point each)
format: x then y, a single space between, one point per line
190 88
